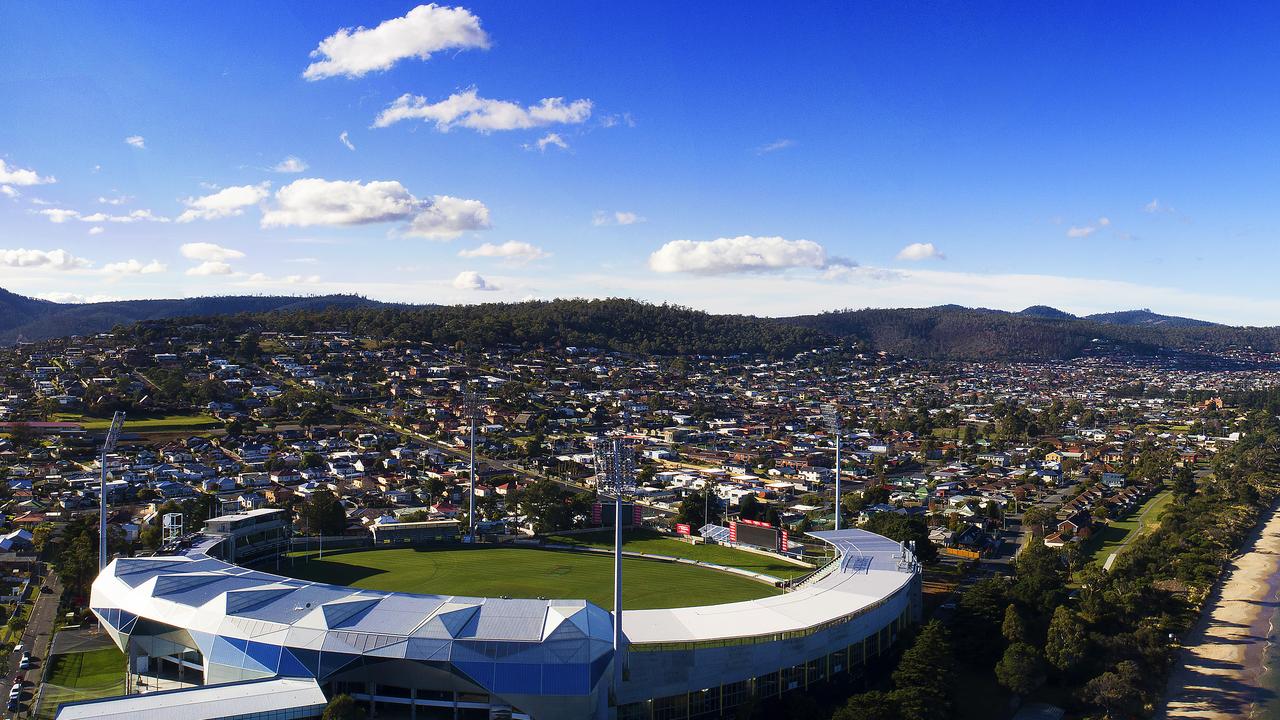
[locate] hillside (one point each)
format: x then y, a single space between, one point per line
1146 317
31 319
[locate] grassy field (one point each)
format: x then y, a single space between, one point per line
82 676
1118 533
647 541
152 424
529 573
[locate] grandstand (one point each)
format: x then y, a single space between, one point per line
426 656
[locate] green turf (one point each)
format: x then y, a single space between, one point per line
164 422
529 573
92 669
1118 533
648 541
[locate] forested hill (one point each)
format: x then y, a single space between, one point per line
614 324
952 332
947 332
24 318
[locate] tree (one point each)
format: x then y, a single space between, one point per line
1117 693
924 673
1013 628
978 618
1041 579
323 514
342 707
544 504
1035 518
874 705
1066 644
41 535
1021 669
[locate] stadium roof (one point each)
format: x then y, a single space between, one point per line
203 703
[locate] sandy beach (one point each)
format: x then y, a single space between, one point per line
1220 671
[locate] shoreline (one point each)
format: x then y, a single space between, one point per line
1218 674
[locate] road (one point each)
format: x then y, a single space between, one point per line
38 635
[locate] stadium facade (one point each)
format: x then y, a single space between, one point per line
429 656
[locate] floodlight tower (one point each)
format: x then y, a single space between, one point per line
831 414
472 404
108 446
615 474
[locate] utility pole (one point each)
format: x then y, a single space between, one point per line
108 446
615 474
832 415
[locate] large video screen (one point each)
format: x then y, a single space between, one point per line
765 537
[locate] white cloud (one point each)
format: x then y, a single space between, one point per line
10 175
8 191
920 251
1104 221
209 252
97 230
469 110
745 253
224 203
135 267
51 259
471 280
548 140
345 140
75 298
314 201
355 52
265 279
118 200
620 217
136 141
445 218
1081 231
211 267
511 251
776 145
291 164
58 215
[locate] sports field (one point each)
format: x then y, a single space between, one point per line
528 573
655 543
74 677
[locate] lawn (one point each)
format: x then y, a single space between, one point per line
529 573
74 677
1119 533
152 424
647 541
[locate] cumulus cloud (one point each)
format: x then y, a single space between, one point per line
136 141
346 140
291 164
355 52
47 259
1084 231
75 298
97 230
511 251
745 253
117 200
467 109
58 215
548 140
8 192
10 175
209 252
134 267
211 267
61 215
620 217
775 146
224 203
471 280
920 251
313 201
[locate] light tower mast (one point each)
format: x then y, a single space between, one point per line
472 404
832 415
615 475
108 447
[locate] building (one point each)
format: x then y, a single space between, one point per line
486 657
248 535
396 533
279 699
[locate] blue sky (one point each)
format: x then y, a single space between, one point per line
729 156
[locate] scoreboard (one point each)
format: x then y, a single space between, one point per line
603 515
759 534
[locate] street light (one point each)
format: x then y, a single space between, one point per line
615 462
831 414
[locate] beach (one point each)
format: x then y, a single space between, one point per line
1220 673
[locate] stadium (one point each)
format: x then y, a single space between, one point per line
447 656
